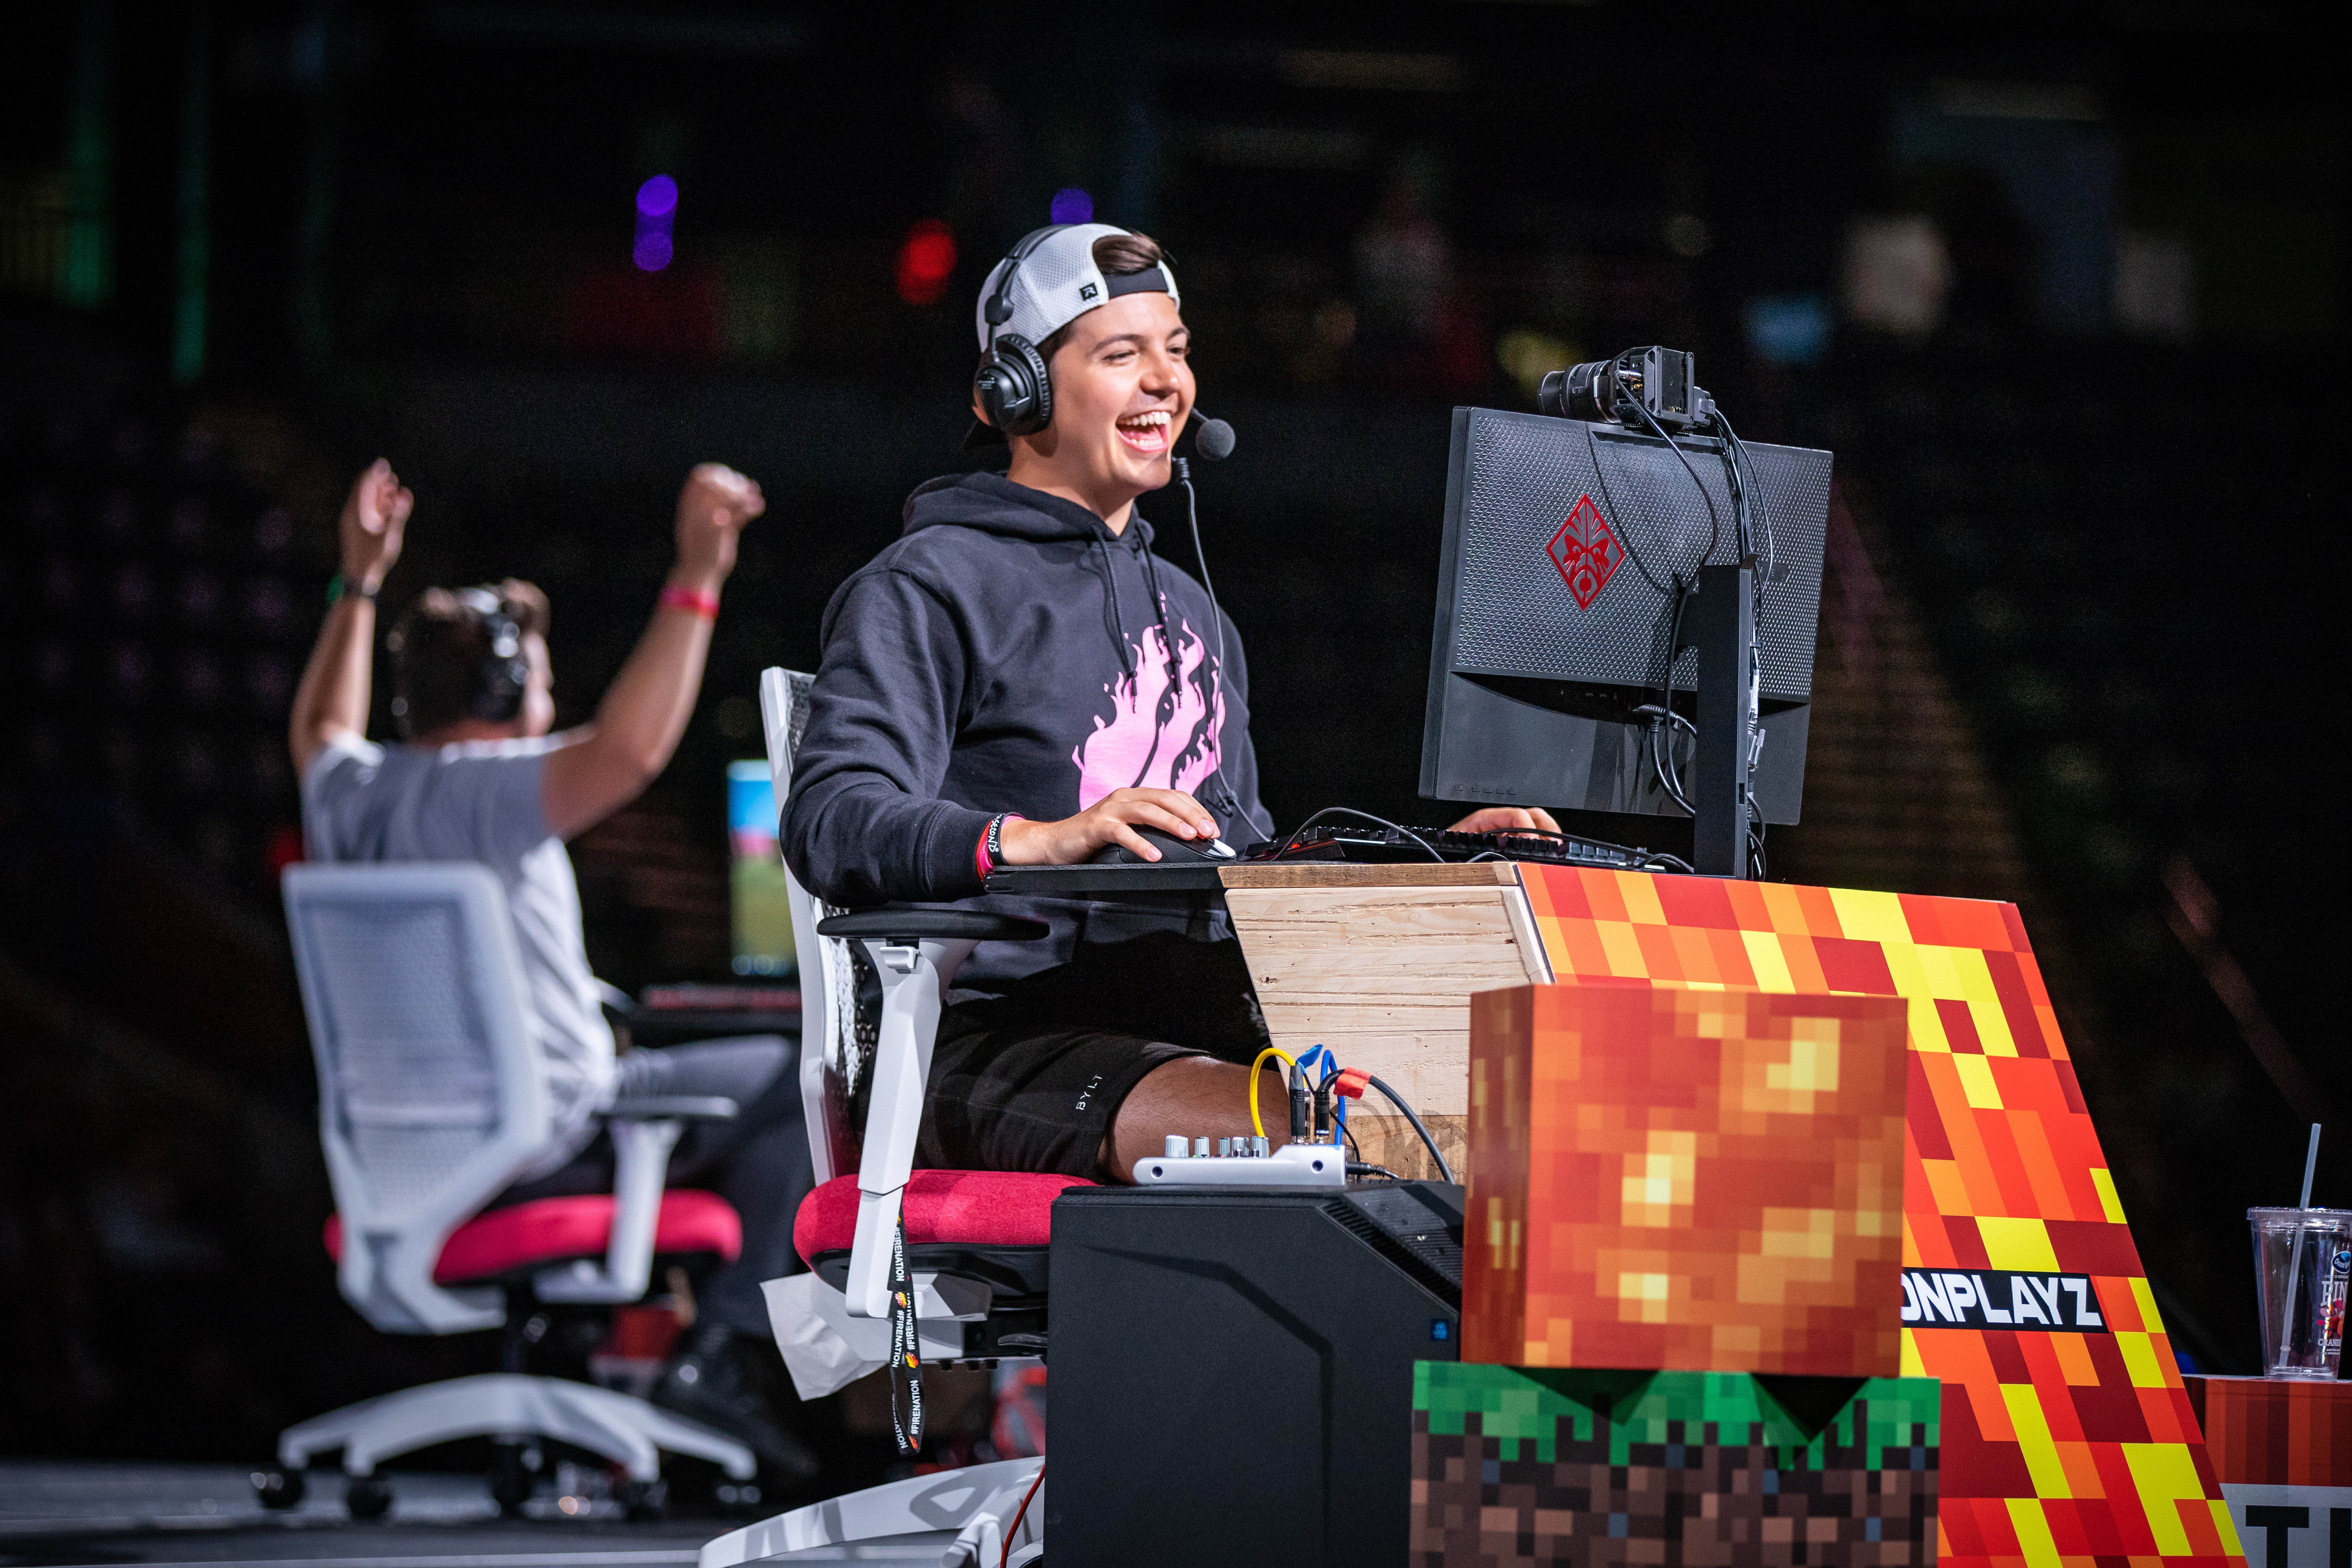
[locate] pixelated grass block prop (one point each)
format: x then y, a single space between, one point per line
1525 1466
1694 1181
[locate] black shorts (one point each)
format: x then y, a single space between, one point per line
1031 1080
1029 1097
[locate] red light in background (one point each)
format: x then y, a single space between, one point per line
283 847
926 257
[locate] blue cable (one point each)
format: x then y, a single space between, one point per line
1331 1071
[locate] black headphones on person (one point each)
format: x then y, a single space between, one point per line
504 673
1012 386
500 676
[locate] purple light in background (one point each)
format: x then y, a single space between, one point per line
1071 205
657 209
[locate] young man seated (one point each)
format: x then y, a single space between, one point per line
1020 680
477 776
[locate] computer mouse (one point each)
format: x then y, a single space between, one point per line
1172 850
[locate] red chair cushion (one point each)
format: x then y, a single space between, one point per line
973 1208
552 1230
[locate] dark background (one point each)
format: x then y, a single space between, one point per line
2074 646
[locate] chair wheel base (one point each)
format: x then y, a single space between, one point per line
739 1497
277 1487
644 1502
367 1496
509 1479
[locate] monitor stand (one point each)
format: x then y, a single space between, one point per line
1719 621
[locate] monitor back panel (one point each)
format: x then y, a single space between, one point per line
1521 476
1533 675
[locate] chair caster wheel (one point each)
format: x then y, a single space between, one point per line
277 1487
367 1496
739 1497
646 1502
509 1479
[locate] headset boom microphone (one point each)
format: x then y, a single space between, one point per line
1213 440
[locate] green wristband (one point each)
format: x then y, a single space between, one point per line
338 589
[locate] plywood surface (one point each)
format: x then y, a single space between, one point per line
1390 1140
1379 963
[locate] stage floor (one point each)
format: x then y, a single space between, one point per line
59 1514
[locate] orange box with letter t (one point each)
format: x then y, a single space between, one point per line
1701 1181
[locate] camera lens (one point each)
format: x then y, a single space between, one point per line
1580 391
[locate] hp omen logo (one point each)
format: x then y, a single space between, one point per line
1585 552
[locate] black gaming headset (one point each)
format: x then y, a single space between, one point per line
1014 392
502 676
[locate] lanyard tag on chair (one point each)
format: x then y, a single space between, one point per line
906 1350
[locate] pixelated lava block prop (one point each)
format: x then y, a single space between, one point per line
2283 1448
2065 1440
1514 1466
1692 1181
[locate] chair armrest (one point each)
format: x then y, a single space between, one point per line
614 1000
674 1108
904 927
640 1166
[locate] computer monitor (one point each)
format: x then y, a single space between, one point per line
759 897
1555 604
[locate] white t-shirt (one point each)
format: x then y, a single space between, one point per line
480 800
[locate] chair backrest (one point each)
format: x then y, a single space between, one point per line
837 1038
430 1098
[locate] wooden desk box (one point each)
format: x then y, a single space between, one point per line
1696 1181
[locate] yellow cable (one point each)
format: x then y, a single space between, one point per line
1257 1123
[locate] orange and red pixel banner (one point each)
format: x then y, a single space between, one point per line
2059 1448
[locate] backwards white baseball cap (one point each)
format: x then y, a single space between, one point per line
1054 281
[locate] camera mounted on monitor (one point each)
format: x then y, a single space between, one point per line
1661 382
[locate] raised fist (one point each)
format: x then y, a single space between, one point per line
712 508
374 514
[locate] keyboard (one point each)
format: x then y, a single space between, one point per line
1384 845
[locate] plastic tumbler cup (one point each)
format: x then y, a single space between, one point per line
2303 1264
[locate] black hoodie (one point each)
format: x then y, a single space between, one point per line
1009 653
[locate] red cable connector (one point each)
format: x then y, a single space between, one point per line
1352 1082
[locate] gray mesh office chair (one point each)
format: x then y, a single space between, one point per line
430 1102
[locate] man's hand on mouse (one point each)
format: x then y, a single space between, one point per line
1113 819
1502 819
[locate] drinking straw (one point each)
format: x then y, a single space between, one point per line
2295 1259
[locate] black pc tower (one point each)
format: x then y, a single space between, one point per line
1569 546
1231 1369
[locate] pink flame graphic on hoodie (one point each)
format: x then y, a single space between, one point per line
1156 737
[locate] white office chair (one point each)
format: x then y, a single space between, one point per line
976 1240
430 1103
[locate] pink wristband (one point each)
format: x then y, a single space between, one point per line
676 598
991 843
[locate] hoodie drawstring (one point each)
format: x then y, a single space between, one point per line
1117 616
1160 604
1159 607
